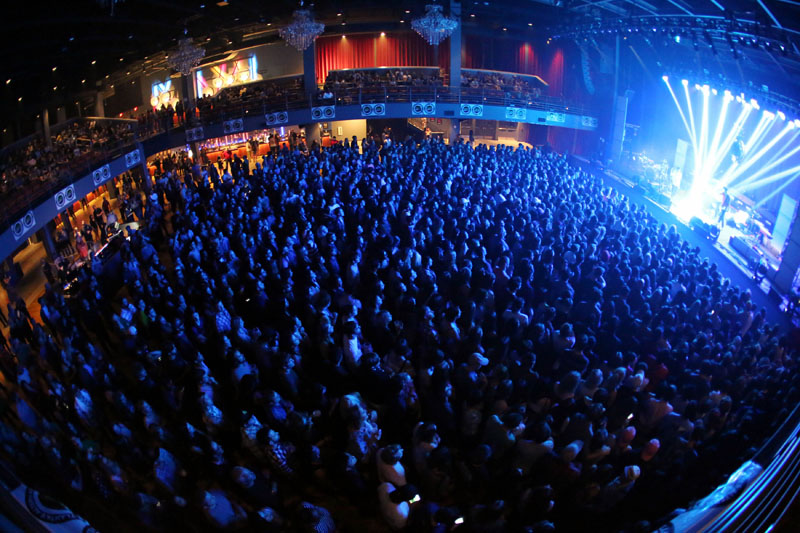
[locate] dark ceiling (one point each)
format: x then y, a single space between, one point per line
54 49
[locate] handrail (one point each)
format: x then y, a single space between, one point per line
33 193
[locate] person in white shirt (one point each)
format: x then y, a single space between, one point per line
396 504
390 469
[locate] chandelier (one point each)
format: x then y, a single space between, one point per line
434 27
186 57
303 29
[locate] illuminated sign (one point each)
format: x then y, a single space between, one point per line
163 94
211 80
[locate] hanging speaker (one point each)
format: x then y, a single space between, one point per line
477 110
378 109
329 111
417 108
366 110
516 113
430 108
233 126
65 197
316 113
101 174
23 225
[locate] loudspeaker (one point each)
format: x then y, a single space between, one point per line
370 110
552 116
516 113
23 225
281 117
323 112
709 231
232 126
195 134
423 108
589 122
132 158
101 174
471 110
65 197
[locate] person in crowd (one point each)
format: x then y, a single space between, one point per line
489 324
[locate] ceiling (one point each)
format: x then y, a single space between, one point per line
51 50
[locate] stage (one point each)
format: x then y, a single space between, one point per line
730 262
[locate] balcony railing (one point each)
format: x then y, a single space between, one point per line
30 194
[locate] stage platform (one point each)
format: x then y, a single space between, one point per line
730 263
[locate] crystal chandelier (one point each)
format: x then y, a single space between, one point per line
434 27
186 57
303 29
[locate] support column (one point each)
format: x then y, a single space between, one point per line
455 46
111 187
66 222
147 183
99 105
45 235
312 134
309 71
784 278
454 131
46 127
609 155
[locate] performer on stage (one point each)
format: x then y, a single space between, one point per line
724 203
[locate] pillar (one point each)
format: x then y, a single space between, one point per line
784 278
309 71
612 123
99 105
45 235
454 131
312 134
46 127
455 46
147 183
65 221
111 187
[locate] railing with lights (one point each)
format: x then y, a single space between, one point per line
20 199
22 196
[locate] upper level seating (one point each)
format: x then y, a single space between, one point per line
31 169
385 76
516 84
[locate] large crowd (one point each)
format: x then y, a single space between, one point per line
510 84
383 77
38 163
409 336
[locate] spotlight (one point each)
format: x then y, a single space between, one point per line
696 86
665 78
685 83
678 39
796 123
781 115
754 103
714 92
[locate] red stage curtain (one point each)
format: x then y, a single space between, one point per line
555 72
371 50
